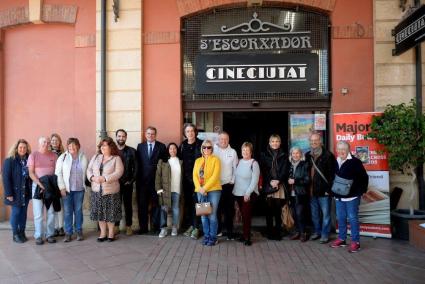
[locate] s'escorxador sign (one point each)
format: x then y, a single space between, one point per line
410 31
245 58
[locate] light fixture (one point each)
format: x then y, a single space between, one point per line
344 91
116 9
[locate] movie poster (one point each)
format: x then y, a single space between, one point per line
374 211
301 126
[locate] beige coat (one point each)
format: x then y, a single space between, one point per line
113 169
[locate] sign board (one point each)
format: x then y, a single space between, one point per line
410 31
241 73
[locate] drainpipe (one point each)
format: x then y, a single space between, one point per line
103 132
420 168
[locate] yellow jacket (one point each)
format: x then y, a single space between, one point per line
211 173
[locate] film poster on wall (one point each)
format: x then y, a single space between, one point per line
374 211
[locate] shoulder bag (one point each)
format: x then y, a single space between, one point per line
341 186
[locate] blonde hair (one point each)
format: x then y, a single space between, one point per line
248 145
275 136
13 151
210 143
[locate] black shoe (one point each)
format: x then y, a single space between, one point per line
230 237
111 240
142 232
39 241
23 236
61 232
56 233
51 240
247 243
295 236
18 239
67 238
101 240
315 237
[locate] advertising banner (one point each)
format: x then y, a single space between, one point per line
302 125
374 211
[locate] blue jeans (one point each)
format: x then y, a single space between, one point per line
38 209
210 222
350 210
73 209
321 209
18 218
175 206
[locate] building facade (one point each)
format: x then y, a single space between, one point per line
242 66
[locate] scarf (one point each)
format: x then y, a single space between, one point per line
316 152
275 154
294 165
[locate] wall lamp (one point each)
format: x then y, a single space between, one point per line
344 91
116 9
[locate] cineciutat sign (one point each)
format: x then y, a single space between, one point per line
244 59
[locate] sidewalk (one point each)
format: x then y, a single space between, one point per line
147 259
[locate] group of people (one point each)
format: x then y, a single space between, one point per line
173 179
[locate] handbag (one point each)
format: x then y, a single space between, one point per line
341 186
287 219
268 189
203 208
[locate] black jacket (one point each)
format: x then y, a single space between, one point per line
327 165
301 177
282 167
353 169
128 156
15 184
147 166
51 194
188 153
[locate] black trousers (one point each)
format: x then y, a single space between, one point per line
126 192
226 209
190 198
299 205
274 213
147 196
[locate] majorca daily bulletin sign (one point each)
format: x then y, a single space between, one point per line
243 59
410 31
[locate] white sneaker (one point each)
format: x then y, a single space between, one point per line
174 231
163 233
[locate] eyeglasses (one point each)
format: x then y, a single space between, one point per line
206 147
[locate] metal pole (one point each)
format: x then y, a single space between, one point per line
103 132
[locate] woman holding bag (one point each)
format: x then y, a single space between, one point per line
206 178
351 170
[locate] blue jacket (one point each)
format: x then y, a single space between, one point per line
14 183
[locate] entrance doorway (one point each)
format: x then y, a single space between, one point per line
255 127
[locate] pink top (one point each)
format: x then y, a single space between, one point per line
44 164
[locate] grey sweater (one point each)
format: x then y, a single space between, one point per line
246 177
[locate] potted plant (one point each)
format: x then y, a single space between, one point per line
401 131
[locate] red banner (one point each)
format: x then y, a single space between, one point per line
374 210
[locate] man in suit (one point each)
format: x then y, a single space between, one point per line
148 155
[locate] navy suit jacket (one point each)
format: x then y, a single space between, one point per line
147 166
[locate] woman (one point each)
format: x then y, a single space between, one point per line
246 188
349 168
56 147
206 178
298 183
17 187
104 171
274 163
168 185
71 169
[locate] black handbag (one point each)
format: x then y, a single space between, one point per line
268 189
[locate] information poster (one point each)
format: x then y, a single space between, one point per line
374 211
302 125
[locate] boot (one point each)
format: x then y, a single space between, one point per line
17 239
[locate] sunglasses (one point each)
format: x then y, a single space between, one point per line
206 147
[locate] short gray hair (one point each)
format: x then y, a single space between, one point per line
296 148
343 144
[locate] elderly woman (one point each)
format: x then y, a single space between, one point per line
168 185
298 183
274 164
350 170
104 172
206 178
71 169
17 187
56 147
246 188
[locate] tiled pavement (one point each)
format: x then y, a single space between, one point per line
147 259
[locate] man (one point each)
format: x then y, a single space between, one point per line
322 170
42 163
128 156
148 155
189 151
229 160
